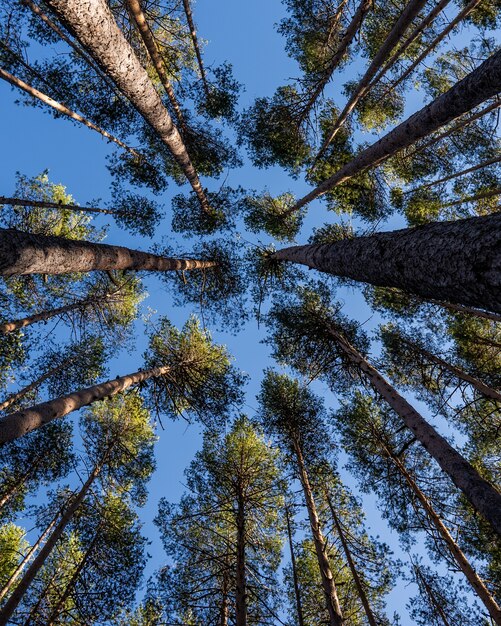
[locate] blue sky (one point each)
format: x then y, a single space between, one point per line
244 34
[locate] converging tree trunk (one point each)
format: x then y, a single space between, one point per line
194 39
435 602
480 85
22 422
94 26
459 261
25 253
241 582
295 580
328 584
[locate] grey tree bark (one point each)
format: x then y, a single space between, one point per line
24 253
480 85
456 261
97 31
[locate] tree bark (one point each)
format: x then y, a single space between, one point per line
241 583
491 193
353 27
468 310
458 261
22 422
61 108
54 205
297 592
19 569
461 560
401 25
139 18
225 604
480 85
96 30
483 496
328 584
18 593
429 592
36 383
24 253
351 564
194 39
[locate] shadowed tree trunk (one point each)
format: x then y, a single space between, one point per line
483 496
94 26
406 17
490 193
328 584
241 583
194 39
297 592
54 205
24 253
61 108
480 85
22 422
458 261
23 585
431 595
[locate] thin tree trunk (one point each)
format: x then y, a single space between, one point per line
297 592
480 85
194 39
27 558
24 253
356 578
33 611
461 560
61 108
54 205
468 310
241 583
401 25
429 592
353 27
71 583
474 168
483 496
491 193
458 261
97 31
225 604
22 422
36 383
18 593
139 18
328 584
461 16
477 384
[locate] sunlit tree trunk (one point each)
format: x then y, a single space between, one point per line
459 261
25 253
194 39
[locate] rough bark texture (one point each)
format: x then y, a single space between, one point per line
241 583
457 261
481 494
18 593
480 85
17 82
408 14
96 29
53 205
22 422
36 383
351 564
463 563
24 253
328 584
297 592
137 14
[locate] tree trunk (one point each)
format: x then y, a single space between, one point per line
468 310
459 261
356 578
19 569
22 422
461 560
480 85
95 28
491 193
18 593
36 383
225 604
328 584
429 592
401 25
477 384
134 8
193 33
353 27
297 592
23 253
480 166
54 205
241 583
61 108
481 494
